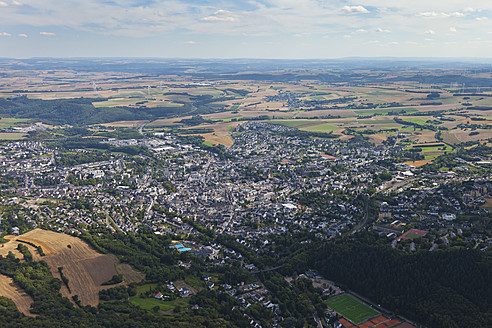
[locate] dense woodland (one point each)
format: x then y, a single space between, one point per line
445 288
80 111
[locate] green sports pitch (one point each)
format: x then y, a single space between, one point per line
351 308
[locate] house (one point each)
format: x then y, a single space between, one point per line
448 216
184 292
159 296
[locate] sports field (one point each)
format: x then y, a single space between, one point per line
412 234
351 308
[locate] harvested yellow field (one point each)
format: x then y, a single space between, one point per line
464 135
11 290
85 268
418 163
167 121
488 203
221 134
125 124
129 274
378 139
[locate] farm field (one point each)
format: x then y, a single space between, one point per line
326 127
85 268
350 308
12 136
12 291
7 122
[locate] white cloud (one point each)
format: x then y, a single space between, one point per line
481 18
301 35
433 14
381 30
394 43
452 29
190 42
5 34
429 32
428 14
17 3
47 33
22 35
456 14
354 10
221 16
255 22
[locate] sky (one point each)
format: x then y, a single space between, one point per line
290 29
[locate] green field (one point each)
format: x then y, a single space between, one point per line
385 111
375 121
12 136
7 122
326 127
426 157
412 235
293 123
351 308
149 303
416 120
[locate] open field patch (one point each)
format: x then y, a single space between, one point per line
12 136
379 138
221 134
418 163
326 127
459 136
295 123
125 124
386 111
7 122
149 303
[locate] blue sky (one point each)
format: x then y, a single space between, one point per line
245 29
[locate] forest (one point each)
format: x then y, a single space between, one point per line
445 288
81 111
